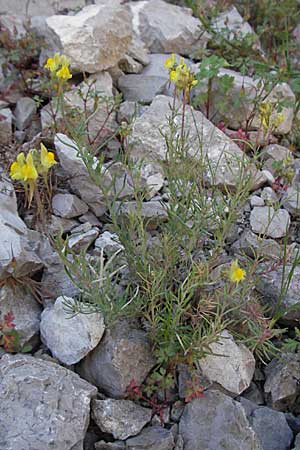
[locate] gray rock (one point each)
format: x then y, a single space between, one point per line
128 111
82 100
270 222
271 429
13 24
56 282
141 88
102 445
152 438
167 28
148 144
232 25
275 152
90 218
121 418
123 354
246 89
153 80
297 442
58 225
5 126
254 394
152 212
80 180
216 422
109 243
78 241
18 250
270 284
269 196
70 337
255 200
25 309
281 386
291 201
68 206
43 405
254 246
24 112
94 39
38 8
230 365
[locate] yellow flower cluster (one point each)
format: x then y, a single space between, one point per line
268 122
27 169
236 273
58 65
180 74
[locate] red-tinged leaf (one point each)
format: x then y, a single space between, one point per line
9 320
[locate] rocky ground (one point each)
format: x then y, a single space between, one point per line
68 386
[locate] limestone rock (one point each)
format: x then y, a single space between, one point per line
270 285
109 243
281 386
230 365
123 354
68 206
232 25
271 429
216 422
38 7
5 126
152 438
43 405
253 246
152 212
24 112
94 39
78 241
70 338
148 144
26 311
121 418
245 89
291 201
80 180
167 28
270 222
18 254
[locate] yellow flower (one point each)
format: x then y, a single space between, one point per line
16 167
54 63
29 171
64 73
174 76
170 62
47 159
236 273
277 121
265 111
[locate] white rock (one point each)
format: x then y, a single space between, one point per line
94 39
68 206
148 144
230 365
167 28
70 338
270 222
